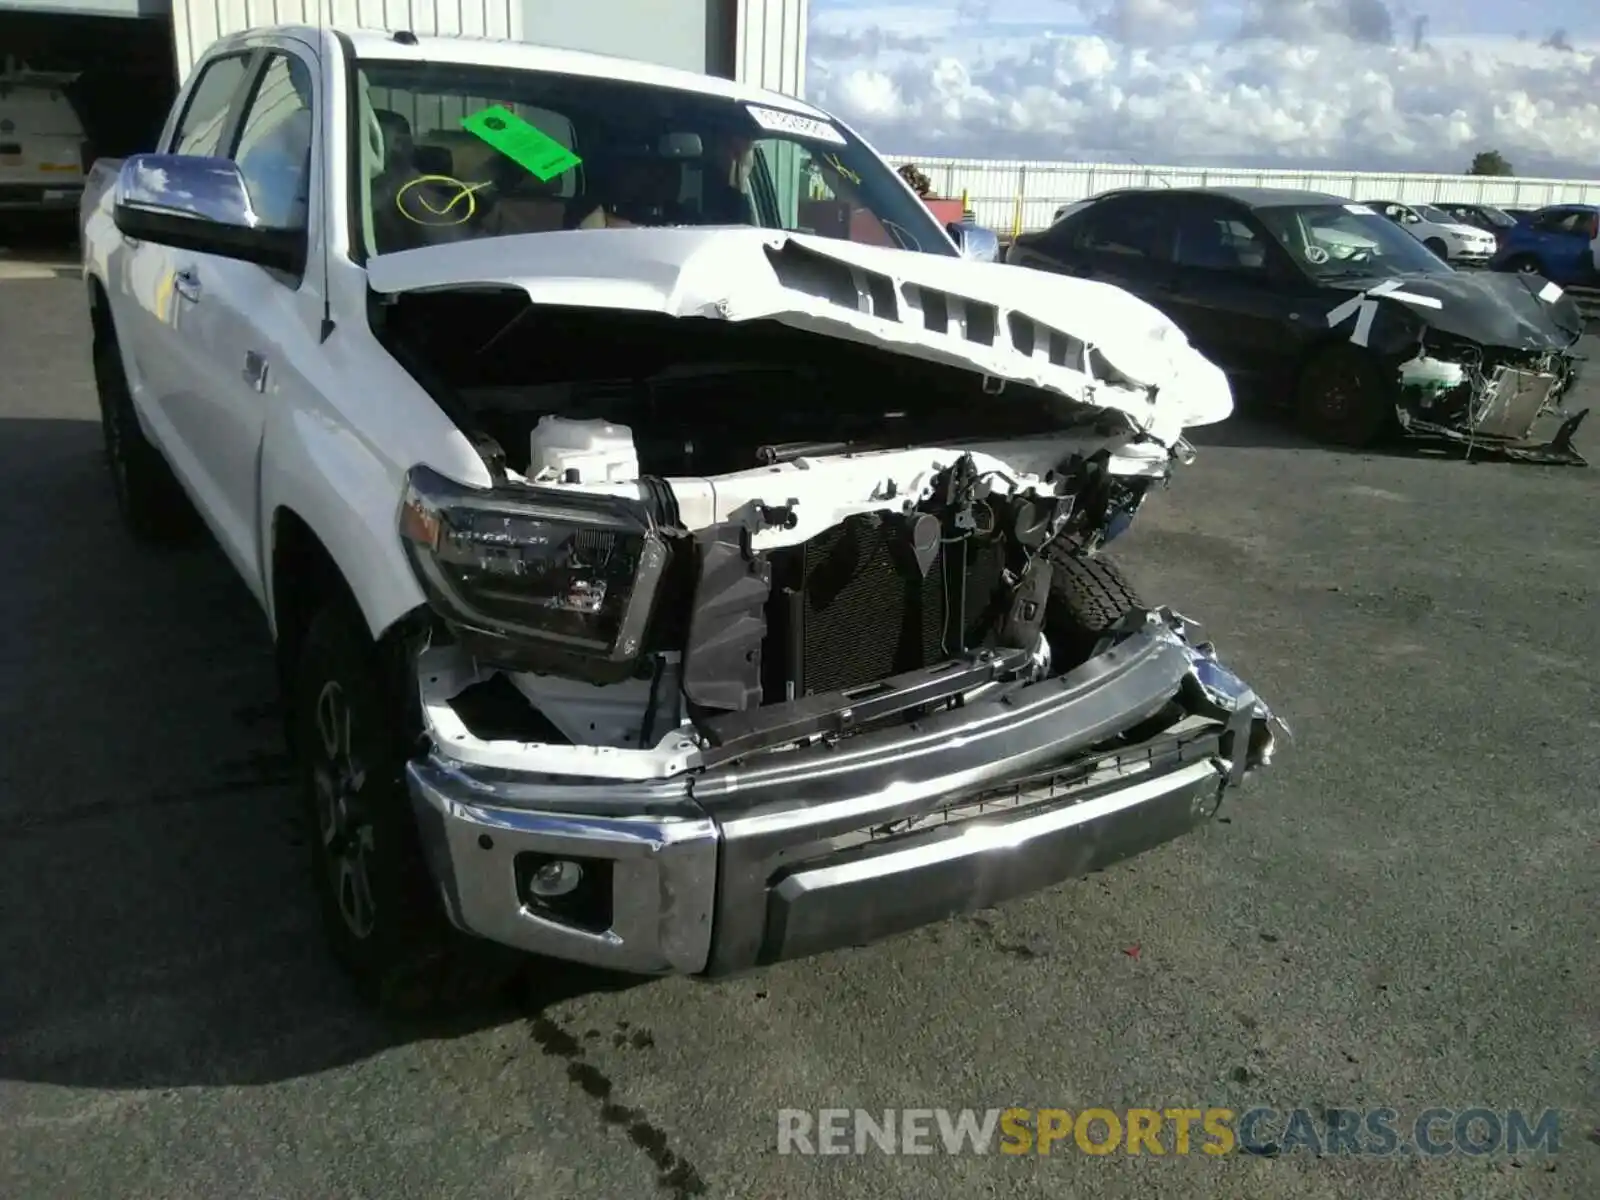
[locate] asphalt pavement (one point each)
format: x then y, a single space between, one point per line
1404 913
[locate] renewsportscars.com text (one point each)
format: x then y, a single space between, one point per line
1171 1132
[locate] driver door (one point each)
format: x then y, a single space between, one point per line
242 322
1229 289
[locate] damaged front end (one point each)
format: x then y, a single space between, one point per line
1506 401
790 632
1484 359
660 748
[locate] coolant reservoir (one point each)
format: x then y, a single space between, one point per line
1430 376
597 450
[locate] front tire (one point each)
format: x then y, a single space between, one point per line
1439 248
383 921
1343 400
151 502
1089 594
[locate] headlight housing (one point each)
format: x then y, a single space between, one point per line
542 578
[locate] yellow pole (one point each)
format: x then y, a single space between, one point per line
1016 218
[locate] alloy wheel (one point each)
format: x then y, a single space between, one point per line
338 777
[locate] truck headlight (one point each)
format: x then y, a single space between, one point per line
544 572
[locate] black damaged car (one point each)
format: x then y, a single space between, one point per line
1321 306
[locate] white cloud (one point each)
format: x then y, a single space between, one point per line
1357 84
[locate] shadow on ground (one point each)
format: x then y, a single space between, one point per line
159 929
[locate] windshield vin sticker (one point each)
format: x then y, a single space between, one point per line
775 121
1550 293
1360 210
524 144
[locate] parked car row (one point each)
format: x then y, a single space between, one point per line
1453 240
1560 241
1325 307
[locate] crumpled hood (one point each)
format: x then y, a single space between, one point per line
1024 326
1493 308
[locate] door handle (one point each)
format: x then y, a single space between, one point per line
187 284
255 370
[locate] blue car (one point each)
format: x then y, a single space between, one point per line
1560 242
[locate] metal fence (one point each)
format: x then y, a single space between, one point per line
1015 196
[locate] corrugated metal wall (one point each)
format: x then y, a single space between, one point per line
198 23
770 45
1025 195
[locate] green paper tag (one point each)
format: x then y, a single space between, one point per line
521 142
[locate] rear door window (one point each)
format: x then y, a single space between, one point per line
205 116
1212 237
1130 231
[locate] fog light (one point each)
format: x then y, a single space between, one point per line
557 878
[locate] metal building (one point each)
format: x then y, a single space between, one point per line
133 53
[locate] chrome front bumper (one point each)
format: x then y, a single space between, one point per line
794 853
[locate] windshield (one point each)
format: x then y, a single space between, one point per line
1437 215
450 152
1332 240
1498 216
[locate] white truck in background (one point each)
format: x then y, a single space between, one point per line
682 553
43 149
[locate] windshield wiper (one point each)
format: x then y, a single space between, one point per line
1356 272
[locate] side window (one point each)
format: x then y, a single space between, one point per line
274 150
200 128
814 191
1130 231
1214 238
1559 220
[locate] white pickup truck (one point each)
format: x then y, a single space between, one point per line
683 553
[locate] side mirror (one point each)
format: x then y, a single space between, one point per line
200 204
974 241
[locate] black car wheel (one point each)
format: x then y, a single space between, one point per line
151 502
1342 399
1438 247
1525 264
381 916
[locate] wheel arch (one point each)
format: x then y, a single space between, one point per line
100 323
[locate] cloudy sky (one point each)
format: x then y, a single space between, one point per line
1363 84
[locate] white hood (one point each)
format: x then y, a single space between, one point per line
726 274
1469 233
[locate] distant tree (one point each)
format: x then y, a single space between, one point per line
916 180
1489 162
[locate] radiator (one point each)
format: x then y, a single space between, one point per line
856 609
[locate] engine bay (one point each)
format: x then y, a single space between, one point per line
699 397
803 537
